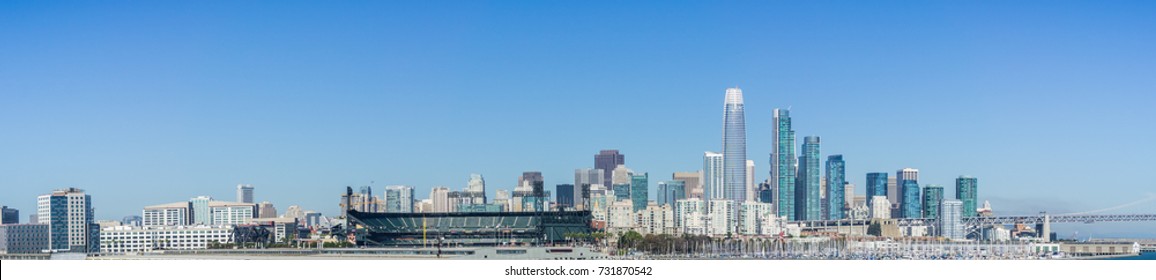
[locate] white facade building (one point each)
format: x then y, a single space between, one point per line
951 219
231 213
752 216
712 176
620 216
656 219
125 239
880 207
721 218
689 215
172 214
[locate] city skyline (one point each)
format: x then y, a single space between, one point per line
131 114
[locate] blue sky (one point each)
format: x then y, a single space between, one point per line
1047 103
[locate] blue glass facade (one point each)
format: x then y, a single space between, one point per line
734 147
967 191
671 191
58 223
783 165
932 198
621 191
836 178
639 193
807 201
876 184
565 193
910 206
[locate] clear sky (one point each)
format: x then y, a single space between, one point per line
1048 103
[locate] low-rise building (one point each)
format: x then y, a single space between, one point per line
1091 249
23 238
124 239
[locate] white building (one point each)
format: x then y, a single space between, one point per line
620 216
399 199
752 188
441 200
752 215
656 219
172 214
880 207
950 220
231 213
77 224
721 218
712 176
284 229
125 239
689 215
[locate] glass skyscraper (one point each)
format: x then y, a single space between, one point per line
876 184
807 201
910 206
932 197
967 191
783 165
836 179
639 193
565 196
607 160
734 147
671 191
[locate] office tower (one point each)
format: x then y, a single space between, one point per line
734 147
172 214
621 175
476 189
245 193
766 194
10 216
932 197
712 175
583 180
565 193
621 191
69 215
951 222
201 210
783 164
399 199
848 195
807 200
751 188
231 213
893 193
440 197
529 177
967 191
265 210
607 160
836 182
911 205
693 183
671 191
362 201
877 184
880 207
908 183
639 191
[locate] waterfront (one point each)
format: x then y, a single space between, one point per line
1142 256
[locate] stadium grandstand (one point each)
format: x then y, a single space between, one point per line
466 229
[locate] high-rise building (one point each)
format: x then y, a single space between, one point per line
907 181
245 193
894 191
565 193
783 165
201 210
265 210
172 214
752 189
722 217
583 180
10 216
848 195
712 175
689 215
607 160
639 191
69 215
951 222
807 199
621 191
876 184
399 199
440 197
911 205
621 175
967 191
836 181
231 213
734 147
932 197
476 189
766 194
880 207
671 191
693 183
